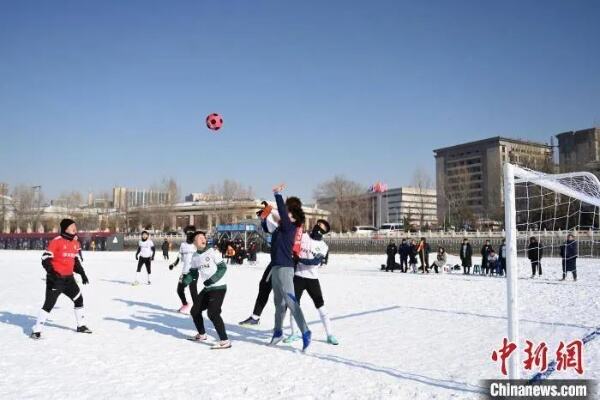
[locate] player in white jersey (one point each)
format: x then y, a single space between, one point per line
144 255
312 252
211 269
186 251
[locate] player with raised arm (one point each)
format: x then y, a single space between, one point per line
312 252
286 238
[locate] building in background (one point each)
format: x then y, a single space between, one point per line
469 177
579 151
125 198
194 197
416 207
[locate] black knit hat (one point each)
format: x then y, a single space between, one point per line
327 228
65 223
189 229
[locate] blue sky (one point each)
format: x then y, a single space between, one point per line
96 94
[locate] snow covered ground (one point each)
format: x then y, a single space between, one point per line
402 336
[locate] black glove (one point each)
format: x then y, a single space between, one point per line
48 267
84 279
136 257
171 266
152 258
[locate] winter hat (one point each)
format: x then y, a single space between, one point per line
64 224
189 233
327 228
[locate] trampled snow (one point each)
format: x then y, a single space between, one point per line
402 336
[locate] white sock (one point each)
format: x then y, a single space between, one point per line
80 316
148 278
255 317
325 319
137 276
41 319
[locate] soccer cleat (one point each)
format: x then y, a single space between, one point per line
250 321
291 339
277 337
332 340
222 344
83 329
35 335
184 309
198 338
306 339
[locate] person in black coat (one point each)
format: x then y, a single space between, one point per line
568 253
535 253
466 256
391 256
252 250
404 251
502 258
165 249
486 249
412 255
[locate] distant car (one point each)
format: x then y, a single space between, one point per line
390 229
363 230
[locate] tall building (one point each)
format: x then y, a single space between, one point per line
3 189
125 198
469 176
579 151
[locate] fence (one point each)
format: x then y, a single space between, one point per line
451 241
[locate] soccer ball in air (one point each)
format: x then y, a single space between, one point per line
214 121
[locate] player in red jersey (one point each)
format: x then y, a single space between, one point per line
60 260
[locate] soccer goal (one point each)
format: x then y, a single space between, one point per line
545 208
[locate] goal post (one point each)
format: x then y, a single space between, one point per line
543 212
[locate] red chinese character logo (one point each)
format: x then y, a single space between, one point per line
505 352
571 357
536 357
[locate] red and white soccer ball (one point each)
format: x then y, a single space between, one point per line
214 122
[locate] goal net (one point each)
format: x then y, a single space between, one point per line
552 221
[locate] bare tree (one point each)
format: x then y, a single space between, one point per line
346 201
27 203
422 183
230 190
